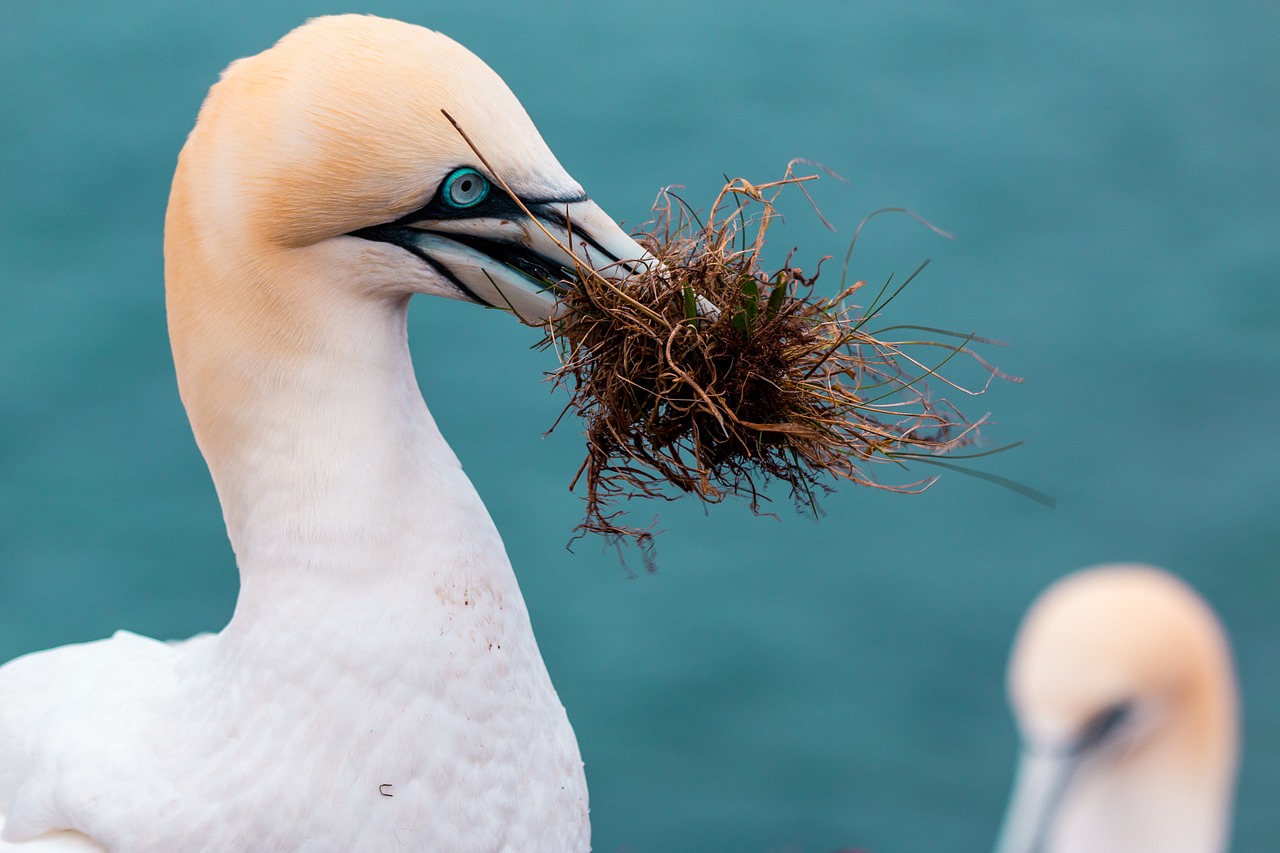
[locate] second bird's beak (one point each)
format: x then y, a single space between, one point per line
521 263
1042 782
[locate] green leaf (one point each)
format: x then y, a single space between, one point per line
751 290
775 299
690 306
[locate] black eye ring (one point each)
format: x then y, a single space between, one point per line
465 188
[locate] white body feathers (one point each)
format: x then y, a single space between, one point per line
379 686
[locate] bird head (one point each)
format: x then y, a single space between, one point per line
392 159
1123 687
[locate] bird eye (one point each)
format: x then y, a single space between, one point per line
465 187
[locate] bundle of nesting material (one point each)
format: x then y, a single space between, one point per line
706 374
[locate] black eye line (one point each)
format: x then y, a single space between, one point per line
496 205
1101 726
397 237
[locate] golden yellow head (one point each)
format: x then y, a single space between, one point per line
336 137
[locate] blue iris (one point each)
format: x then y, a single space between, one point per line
465 187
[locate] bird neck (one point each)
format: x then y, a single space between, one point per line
339 493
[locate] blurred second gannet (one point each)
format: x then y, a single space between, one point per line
1123 686
379 686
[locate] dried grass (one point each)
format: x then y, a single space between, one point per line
707 375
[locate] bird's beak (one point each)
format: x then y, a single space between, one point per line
521 263
1042 781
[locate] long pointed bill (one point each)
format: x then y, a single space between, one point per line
1043 777
520 264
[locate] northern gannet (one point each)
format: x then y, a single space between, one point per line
379 686
1123 686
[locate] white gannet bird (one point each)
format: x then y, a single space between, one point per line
379 686
1122 683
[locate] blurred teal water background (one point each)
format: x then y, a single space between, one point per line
1111 172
